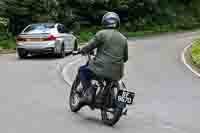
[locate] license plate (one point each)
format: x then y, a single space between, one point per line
125 96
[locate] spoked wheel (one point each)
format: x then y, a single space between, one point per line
112 115
75 96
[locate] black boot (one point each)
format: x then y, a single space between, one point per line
88 96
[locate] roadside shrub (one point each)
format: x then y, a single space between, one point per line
85 36
5 36
187 22
8 43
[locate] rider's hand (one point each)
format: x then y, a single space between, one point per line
82 52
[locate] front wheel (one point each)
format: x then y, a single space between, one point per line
74 99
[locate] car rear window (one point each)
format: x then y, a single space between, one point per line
35 29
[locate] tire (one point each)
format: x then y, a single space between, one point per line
62 52
116 116
22 54
73 93
116 111
75 46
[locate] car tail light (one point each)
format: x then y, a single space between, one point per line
19 39
51 38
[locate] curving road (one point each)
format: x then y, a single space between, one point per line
34 97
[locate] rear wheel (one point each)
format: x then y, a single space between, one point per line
75 95
112 115
62 52
22 53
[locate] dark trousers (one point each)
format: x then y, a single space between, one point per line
86 76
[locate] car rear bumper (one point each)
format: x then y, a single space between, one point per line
44 50
47 47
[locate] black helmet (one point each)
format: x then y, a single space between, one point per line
111 20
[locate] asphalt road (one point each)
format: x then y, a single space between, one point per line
34 97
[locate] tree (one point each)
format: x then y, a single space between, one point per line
20 13
3 24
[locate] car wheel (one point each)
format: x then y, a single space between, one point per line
22 53
76 46
62 52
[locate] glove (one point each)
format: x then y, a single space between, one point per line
83 52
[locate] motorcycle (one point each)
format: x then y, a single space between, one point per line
110 97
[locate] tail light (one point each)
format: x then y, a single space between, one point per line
48 38
19 39
51 38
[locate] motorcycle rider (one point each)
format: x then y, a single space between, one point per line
112 53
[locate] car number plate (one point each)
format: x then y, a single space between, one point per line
125 96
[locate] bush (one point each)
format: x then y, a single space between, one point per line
3 24
88 32
5 36
196 52
8 43
85 36
186 22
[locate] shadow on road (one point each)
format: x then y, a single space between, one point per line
85 119
43 57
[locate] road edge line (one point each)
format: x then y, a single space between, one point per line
65 69
185 62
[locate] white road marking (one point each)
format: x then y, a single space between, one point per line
66 68
185 62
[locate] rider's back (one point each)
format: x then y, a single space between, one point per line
112 52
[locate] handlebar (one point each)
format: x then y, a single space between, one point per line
89 55
78 52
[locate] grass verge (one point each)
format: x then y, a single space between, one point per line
87 33
189 59
195 52
7 46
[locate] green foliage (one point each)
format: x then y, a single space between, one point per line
88 32
8 43
85 36
3 24
180 14
22 8
145 17
142 14
196 52
4 36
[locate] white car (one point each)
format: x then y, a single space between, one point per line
50 38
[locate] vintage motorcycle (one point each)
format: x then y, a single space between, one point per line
111 97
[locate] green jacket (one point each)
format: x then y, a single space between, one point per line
112 53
